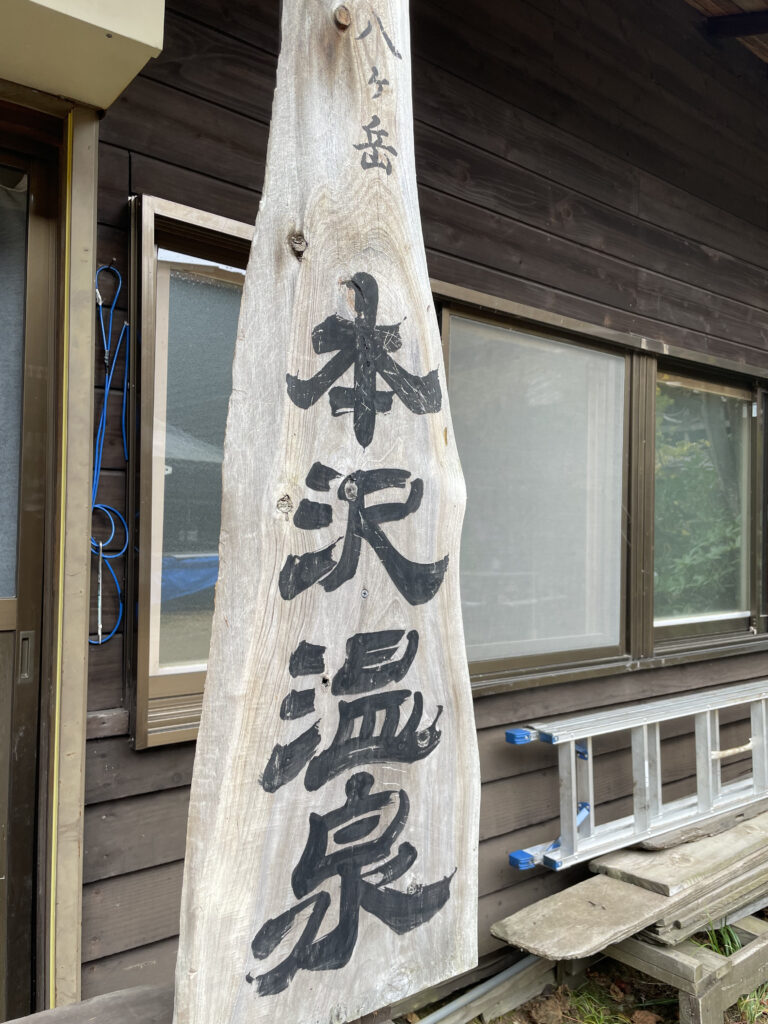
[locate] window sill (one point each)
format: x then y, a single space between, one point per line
677 653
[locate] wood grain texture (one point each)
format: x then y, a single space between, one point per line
112 722
105 674
506 119
341 176
153 964
582 921
521 706
120 913
121 836
142 1005
113 769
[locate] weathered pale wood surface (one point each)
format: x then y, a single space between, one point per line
582 920
338 252
140 1005
714 827
708 982
672 871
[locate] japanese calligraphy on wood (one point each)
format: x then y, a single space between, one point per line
331 854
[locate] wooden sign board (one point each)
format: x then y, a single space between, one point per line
332 847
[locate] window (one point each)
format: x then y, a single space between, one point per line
540 428
702 520
611 501
192 274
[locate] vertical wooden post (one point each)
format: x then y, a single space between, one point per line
331 855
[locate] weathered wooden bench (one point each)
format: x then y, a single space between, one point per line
707 981
140 1005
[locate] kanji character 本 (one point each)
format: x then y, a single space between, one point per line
339 844
367 346
378 82
375 149
362 737
418 582
366 31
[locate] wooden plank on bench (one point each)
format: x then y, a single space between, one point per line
671 871
583 919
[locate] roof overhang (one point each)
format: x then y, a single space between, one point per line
746 20
84 50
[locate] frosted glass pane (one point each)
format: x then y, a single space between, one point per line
203 315
702 502
13 259
539 426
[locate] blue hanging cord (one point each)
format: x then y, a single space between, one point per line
115 519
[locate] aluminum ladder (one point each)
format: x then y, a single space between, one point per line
580 838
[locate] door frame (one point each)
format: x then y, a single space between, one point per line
22 616
54 753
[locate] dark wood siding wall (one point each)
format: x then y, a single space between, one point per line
596 158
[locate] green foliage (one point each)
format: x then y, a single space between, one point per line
754 1007
724 941
698 519
590 1007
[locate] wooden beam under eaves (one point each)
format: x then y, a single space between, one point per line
749 23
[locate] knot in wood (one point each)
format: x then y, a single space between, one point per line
342 17
298 244
285 505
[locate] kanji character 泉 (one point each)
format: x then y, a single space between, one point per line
340 844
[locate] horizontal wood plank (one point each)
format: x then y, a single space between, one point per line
563 83
518 707
153 964
455 168
142 1005
656 337
190 188
112 722
501 904
122 836
458 228
105 674
157 120
114 185
236 74
131 910
241 19
113 769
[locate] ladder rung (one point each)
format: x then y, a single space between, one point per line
580 838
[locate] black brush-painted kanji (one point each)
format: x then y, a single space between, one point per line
367 346
418 582
340 844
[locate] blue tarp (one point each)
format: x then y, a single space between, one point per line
188 574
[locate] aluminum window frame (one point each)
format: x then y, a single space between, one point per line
167 703
566 659
644 649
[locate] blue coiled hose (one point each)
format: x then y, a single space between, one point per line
114 518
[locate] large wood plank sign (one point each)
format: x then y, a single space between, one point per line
331 856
